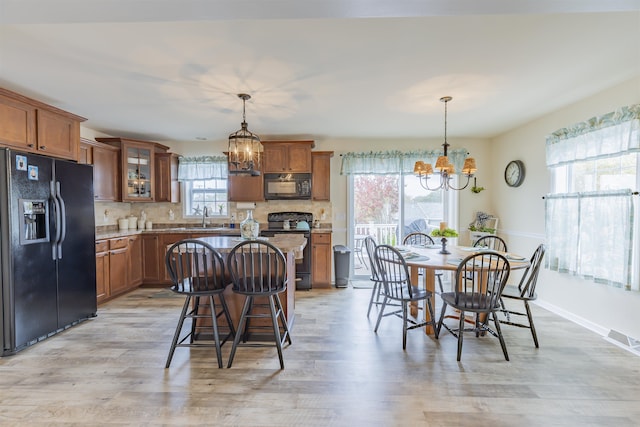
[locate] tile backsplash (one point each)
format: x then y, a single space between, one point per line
108 213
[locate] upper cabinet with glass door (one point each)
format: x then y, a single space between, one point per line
138 167
137 162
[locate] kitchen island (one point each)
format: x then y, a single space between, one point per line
291 246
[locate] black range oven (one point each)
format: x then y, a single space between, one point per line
277 222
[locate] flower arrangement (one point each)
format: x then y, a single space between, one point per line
447 232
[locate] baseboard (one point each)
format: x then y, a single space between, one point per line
630 344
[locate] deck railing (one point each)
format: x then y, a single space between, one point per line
385 234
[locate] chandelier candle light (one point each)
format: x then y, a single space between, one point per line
443 167
244 147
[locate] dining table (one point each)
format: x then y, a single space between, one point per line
428 259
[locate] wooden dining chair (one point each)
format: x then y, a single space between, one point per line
491 242
422 239
480 280
259 272
524 292
397 287
197 272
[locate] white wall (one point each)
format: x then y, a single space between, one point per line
521 212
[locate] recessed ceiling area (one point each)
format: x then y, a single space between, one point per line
332 69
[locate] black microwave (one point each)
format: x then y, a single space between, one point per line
287 186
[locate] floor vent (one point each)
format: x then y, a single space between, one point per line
624 340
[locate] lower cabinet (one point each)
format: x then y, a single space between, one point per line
154 248
135 261
321 259
102 270
118 266
118 260
150 269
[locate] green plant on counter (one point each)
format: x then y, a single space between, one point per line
476 190
447 232
482 229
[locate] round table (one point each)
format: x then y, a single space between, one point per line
433 260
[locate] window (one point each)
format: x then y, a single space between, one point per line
205 185
209 193
590 226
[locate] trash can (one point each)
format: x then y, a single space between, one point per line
341 259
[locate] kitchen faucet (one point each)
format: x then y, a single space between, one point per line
204 215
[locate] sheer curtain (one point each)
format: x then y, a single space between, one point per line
591 233
201 168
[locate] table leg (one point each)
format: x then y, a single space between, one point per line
430 285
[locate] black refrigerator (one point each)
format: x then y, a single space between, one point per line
47 251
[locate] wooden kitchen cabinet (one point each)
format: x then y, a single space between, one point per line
58 135
33 126
105 161
287 156
138 170
134 267
150 260
321 175
118 262
102 270
321 259
246 188
166 175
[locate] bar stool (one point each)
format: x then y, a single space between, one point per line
259 269
197 271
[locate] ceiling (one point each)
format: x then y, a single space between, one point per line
170 70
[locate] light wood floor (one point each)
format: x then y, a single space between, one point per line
110 371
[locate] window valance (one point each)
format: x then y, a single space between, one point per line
603 136
395 162
204 167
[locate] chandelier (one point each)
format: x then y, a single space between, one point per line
244 147
443 168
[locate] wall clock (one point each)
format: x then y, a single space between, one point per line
514 173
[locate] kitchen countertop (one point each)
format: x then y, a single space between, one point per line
112 234
292 242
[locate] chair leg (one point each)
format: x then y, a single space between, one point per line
241 324
439 277
444 309
374 295
460 333
196 311
176 335
531 326
245 331
432 316
276 329
214 326
500 337
384 304
504 310
404 325
283 319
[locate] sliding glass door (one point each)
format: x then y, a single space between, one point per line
388 207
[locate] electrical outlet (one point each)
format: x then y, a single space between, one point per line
240 216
